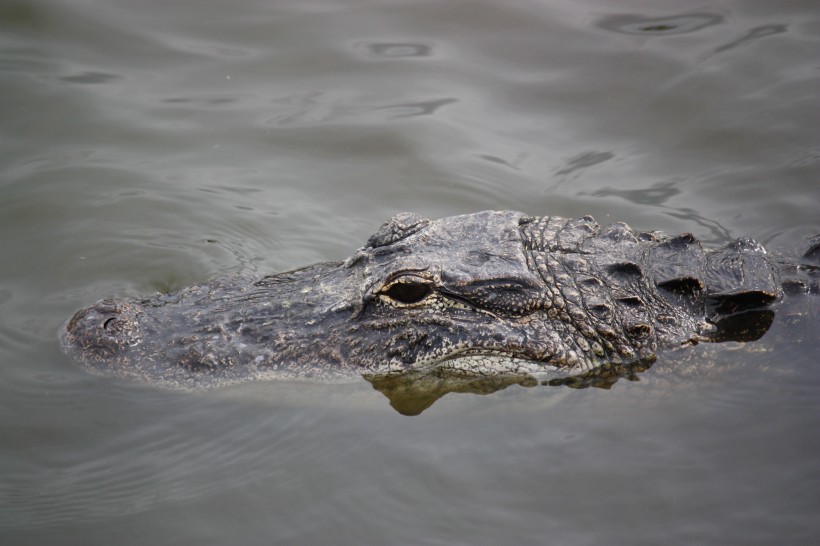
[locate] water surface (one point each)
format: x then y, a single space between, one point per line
147 145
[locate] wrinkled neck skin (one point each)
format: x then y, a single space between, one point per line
487 295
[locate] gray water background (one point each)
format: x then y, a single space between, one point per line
147 145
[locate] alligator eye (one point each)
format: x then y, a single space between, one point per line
408 292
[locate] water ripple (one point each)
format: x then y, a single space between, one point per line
753 34
91 77
659 26
191 448
585 160
398 50
421 108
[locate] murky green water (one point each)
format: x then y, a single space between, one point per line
147 145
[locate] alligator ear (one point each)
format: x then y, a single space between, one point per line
397 228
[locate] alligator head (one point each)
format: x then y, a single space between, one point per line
491 294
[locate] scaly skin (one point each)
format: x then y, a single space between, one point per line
497 294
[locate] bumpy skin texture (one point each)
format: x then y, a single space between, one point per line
491 293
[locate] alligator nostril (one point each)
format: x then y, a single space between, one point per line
107 328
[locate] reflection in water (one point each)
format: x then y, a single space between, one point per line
422 108
753 34
743 326
91 77
659 26
213 100
584 160
412 392
500 161
719 231
399 50
303 109
655 195
804 158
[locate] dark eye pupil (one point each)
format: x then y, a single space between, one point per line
408 292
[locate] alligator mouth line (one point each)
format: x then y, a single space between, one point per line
491 363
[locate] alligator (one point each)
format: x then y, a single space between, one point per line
489 296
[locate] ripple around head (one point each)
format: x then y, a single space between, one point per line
153 447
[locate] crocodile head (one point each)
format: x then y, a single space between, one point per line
486 294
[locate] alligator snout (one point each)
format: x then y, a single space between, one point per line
106 328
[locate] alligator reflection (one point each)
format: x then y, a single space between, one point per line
412 392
